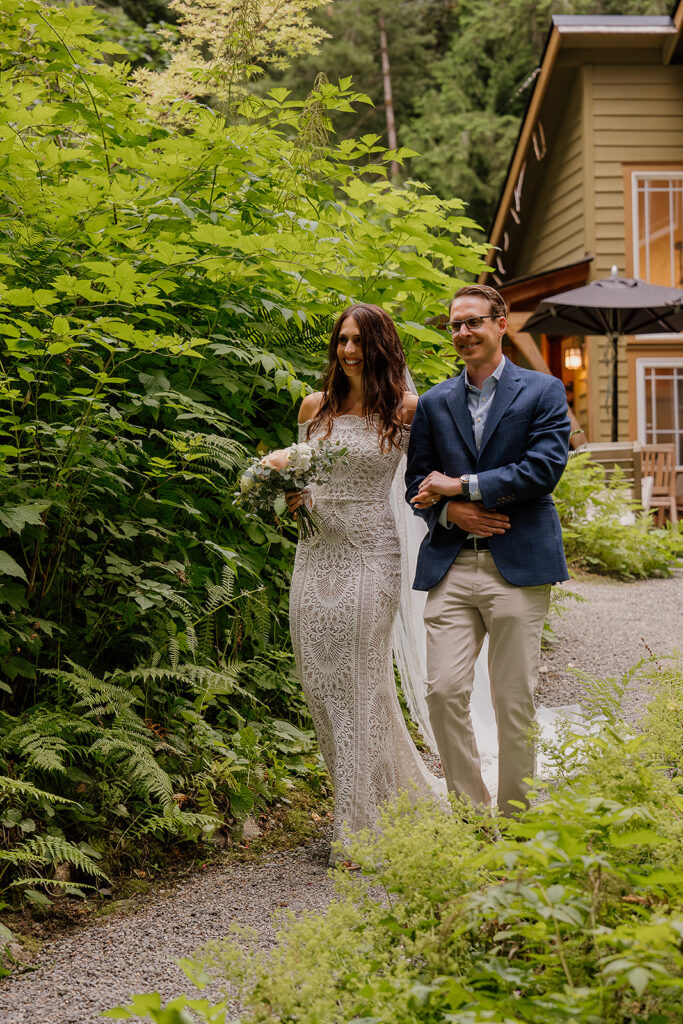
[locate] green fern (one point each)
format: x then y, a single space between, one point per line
214 450
205 801
72 888
26 790
40 851
40 742
183 823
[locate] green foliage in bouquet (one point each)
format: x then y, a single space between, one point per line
574 915
604 531
165 299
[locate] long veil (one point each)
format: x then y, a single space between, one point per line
409 643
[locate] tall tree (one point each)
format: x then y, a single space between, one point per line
415 31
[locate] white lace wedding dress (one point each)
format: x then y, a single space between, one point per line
345 595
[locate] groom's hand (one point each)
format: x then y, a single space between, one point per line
472 517
434 487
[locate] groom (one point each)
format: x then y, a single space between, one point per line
486 450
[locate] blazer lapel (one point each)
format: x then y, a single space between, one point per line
456 400
507 388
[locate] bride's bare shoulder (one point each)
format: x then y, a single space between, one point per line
409 406
310 406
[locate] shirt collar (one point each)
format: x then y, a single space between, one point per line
496 375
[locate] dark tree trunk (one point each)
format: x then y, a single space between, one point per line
392 139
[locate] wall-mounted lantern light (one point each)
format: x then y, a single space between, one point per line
573 358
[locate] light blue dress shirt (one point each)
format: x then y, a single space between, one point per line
478 402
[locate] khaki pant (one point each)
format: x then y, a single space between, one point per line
471 600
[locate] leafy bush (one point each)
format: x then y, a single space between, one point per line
165 299
593 510
575 914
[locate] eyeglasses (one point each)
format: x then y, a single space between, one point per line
472 322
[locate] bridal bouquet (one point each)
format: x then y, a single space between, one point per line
264 482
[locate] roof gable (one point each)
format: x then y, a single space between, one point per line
572 41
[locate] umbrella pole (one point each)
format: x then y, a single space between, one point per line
614 338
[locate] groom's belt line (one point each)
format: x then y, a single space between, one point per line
475 543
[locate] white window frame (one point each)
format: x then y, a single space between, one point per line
653 363
636 176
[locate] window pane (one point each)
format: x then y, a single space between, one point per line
643 269
659 230
664 407
664 404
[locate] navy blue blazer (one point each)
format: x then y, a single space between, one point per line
524 449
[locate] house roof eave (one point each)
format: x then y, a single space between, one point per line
524 293
584 31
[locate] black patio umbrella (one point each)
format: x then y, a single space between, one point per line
612 306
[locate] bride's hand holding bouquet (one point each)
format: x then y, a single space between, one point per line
280 480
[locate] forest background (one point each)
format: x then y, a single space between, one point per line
177 232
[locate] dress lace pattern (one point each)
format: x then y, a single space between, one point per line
344 599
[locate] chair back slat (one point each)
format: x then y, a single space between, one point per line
623 454
659 462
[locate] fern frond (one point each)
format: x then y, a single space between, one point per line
39 741
52 850
138 767
173 651
191 639
199 678
97 696
227 580
184 823
214 450
180 601
205 801
209 682
18 787
55 883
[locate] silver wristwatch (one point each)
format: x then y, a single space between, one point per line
465 482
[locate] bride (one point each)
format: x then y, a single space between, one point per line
347 578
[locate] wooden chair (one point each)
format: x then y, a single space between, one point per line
659 462
625 454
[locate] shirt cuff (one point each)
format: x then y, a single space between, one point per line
443 518
475 493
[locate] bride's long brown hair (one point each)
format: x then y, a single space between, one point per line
384 375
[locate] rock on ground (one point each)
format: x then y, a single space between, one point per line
95 967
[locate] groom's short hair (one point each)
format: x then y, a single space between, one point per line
495 299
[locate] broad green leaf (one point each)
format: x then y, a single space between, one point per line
8 567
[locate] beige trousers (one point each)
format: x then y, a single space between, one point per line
471 600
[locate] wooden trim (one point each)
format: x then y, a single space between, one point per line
628 220
527 292
523 141
669 45
677 16
588 145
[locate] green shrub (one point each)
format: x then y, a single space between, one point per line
165 300
575 914
591 508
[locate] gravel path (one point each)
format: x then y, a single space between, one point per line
609 632
99 965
